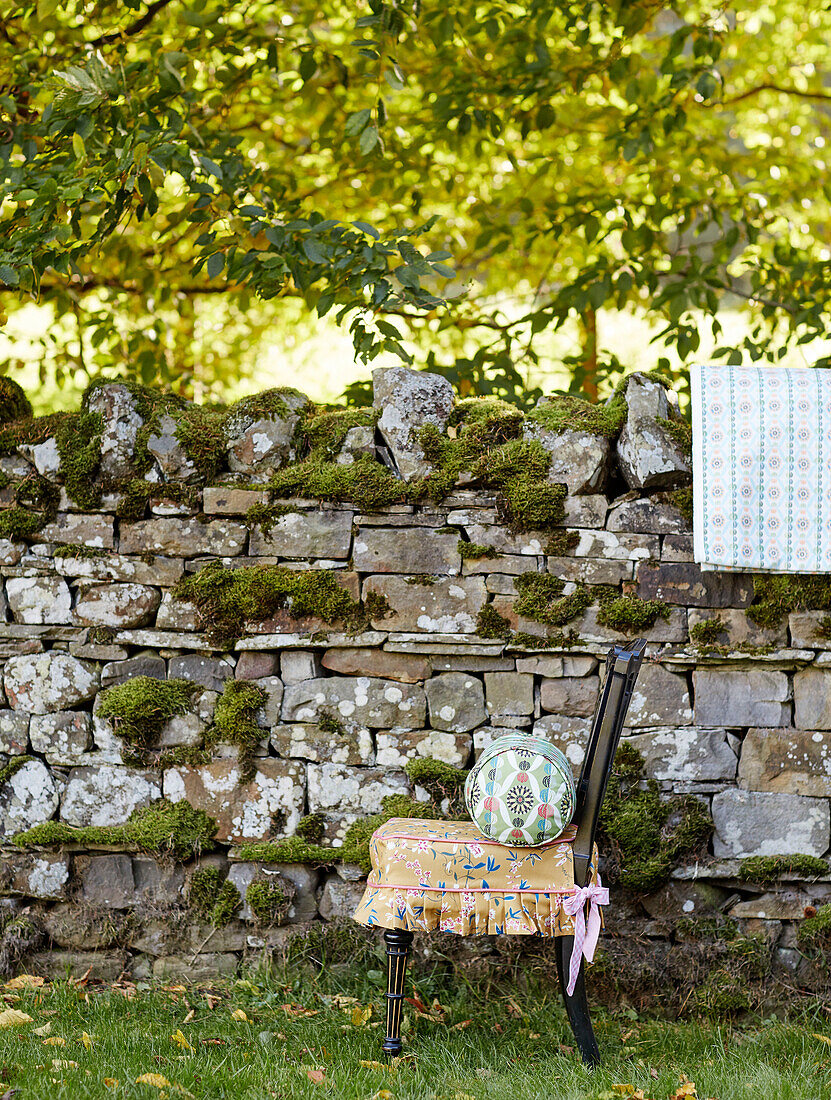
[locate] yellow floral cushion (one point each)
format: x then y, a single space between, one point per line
445 875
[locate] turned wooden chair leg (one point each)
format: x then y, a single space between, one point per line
399 942
577 1007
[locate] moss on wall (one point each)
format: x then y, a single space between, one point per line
235 721
541 599
228 598
630 614
213 898
14 404
770 869
775 597
12 768
139 709
173 829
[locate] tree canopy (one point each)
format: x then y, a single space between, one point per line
452 181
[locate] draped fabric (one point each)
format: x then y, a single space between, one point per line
445 876
762 468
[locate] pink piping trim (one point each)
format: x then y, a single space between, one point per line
463 890
563 838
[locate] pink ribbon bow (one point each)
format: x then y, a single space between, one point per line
585 936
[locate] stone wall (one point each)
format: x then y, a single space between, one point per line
741 721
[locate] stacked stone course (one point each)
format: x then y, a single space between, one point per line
747 730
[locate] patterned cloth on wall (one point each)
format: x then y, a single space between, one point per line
762 468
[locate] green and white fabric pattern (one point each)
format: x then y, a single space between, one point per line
521 791
762 468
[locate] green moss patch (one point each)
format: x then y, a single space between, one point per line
268 901
648 835
472 551
355 847
78 439
173 829
136 493
79 551
568 412
629 614
139 708
490 624
776 597
294 849
311 827
14 404
680 432
326 430
769 869
562 543
814 932
444 783
216 900
708 631
541 599
35 505
228 598
235 721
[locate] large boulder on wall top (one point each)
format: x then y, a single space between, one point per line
580 459
648 455
409 400
260 432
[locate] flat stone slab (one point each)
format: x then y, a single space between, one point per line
686 754
443 605
306 535
107 794
186 538
391 550
752 824
659 698
117 605
746 697
364 661
367 700
41 683
793 761
686 584
269 804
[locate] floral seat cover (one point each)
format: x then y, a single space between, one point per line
445 876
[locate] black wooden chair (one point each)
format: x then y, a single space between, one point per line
622 666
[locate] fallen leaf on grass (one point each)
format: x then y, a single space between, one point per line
629 1091
367 1064
178 1038
383 1094
317 1076
686 1088
822 1038
64 1063
238 1014
54 1041
361 1015
463 1024
87 1041
25 981
298 1010
44 1030
111 1082
189 1017
154 1079
13 1017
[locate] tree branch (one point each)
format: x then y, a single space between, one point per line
769 87
134 28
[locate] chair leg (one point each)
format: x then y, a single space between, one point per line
577 1007
399 942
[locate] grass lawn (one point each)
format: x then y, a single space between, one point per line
319 1038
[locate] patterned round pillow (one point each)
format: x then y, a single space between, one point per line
520 791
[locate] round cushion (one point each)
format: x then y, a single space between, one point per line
520 791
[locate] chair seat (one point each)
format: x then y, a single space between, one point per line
445 876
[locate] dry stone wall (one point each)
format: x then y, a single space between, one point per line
741 720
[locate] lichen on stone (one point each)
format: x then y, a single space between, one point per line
228 598
174 829
139 709
12 768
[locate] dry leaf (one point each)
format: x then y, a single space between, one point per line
189 1017
463 1024
822 1038
13 1017
298 1010
367 1064
361 1015
25 981
111 1082
54 1041
44 1030
155 1079
686 1088
211 1000
178 1038
238 1014
383 1094
317 1076
64 1063
87 1041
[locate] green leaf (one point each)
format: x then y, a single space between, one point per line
215 264
366 228
357 121
78 147
368 140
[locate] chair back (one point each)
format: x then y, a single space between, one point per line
623 664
